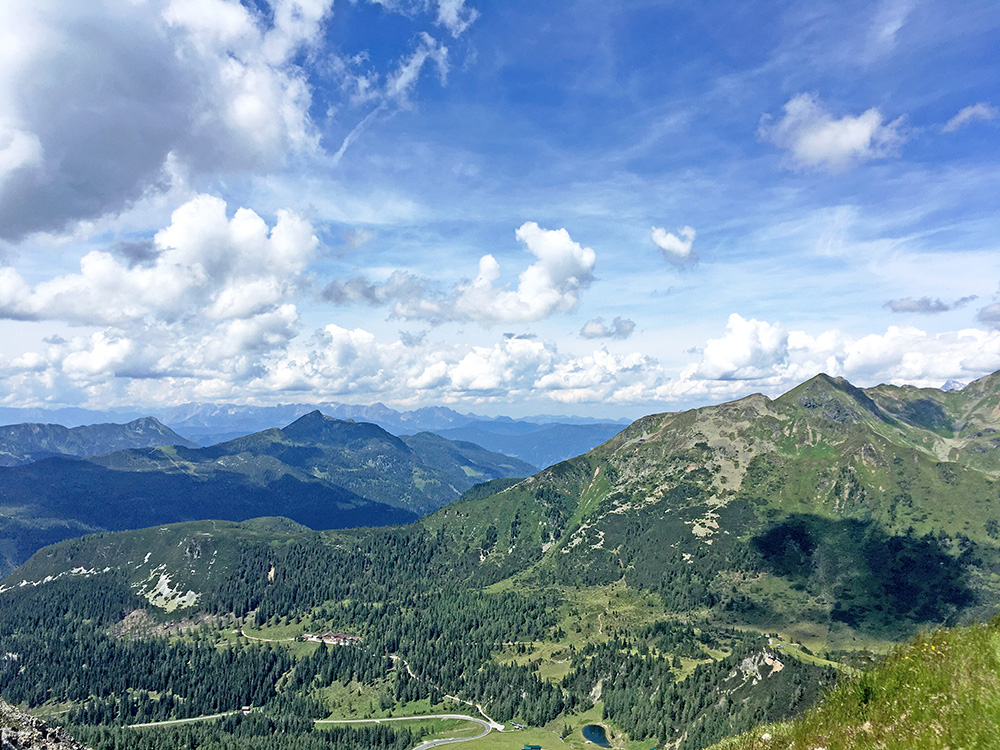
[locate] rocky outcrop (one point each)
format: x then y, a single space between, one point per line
19 731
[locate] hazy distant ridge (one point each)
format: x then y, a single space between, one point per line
542 439
24 443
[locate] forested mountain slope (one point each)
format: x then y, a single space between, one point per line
418 473
426 630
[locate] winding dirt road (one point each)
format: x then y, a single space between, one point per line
171 722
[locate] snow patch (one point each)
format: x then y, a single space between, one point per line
80 571
168 598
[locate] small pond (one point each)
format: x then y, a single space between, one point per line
595 733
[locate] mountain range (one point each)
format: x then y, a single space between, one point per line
319 471
835 511
552 438
539 444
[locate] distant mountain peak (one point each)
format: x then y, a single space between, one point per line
313 423
317 427
988 385
834 399
28 442
146 423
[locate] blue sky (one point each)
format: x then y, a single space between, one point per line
507 207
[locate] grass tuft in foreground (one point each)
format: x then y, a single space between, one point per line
941 690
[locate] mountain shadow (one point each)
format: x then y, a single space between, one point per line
877 582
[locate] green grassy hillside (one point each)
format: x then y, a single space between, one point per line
941 690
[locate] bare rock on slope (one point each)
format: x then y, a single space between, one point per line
19 731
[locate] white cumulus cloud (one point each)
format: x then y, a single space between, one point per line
601 376
675 248
340 362
749 349
211 304
97 96
620 328
206 266
550 285
107 102
767 357
815 139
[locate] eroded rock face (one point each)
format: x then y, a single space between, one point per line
19 731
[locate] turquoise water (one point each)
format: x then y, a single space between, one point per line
595 733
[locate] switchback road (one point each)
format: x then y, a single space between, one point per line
487 726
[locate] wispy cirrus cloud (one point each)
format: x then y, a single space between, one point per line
455 16
392 92
926 305
890 17
979 112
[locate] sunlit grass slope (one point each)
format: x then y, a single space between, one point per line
941 690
